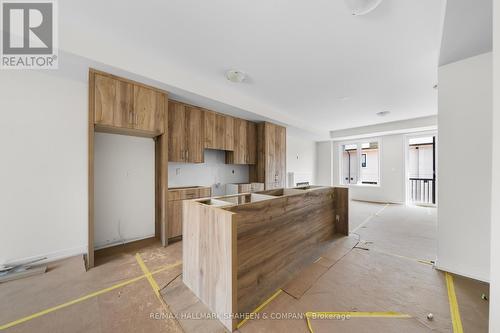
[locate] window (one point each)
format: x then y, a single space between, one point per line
360 163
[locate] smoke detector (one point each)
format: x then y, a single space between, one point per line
235 76
362 7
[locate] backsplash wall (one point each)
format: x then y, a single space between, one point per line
214 172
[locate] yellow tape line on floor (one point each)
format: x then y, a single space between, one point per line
354 314
422 261
452 298
147 273
260 307
86 297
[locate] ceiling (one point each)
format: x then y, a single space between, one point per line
467 31
311 65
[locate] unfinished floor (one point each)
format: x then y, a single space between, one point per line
387 270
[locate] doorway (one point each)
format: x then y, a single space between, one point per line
421 170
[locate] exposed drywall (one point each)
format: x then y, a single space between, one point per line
43 174
300 158
392 169
124 189
214 172
324 166
464 120
495 212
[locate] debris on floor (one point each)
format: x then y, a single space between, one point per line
19 270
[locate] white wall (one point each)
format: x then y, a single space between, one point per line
214 172
324 166
370 172
124 189
495 218
301 157
43 169
392 169
464 120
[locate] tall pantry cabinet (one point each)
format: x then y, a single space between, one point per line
270 167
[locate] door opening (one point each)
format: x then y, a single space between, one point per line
421 167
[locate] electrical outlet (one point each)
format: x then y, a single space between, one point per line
178 171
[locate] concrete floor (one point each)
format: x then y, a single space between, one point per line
381 274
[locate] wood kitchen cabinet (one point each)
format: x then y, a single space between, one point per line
186 133
245 147
194 135
176 196
148 109
121 106
244 188
251 146
210 130
270 167
218 131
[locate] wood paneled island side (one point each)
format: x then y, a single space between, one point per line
238 250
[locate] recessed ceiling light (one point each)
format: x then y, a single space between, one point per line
383 113
362 7
235 76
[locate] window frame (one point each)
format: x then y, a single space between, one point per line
359 154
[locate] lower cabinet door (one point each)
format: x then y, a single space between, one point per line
174 221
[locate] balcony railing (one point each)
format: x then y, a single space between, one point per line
423 190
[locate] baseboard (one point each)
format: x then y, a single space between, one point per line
125 241
52 256
452 271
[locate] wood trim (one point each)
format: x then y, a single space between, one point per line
161 164
90 250
208 261
164 189
125 131
96 71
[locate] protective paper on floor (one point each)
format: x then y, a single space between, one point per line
300 284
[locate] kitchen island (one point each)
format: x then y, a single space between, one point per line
239 249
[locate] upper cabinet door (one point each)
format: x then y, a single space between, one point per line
113 102
210 128
220 131
239 153
251 146
195 135
228 133
148 109
176 132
